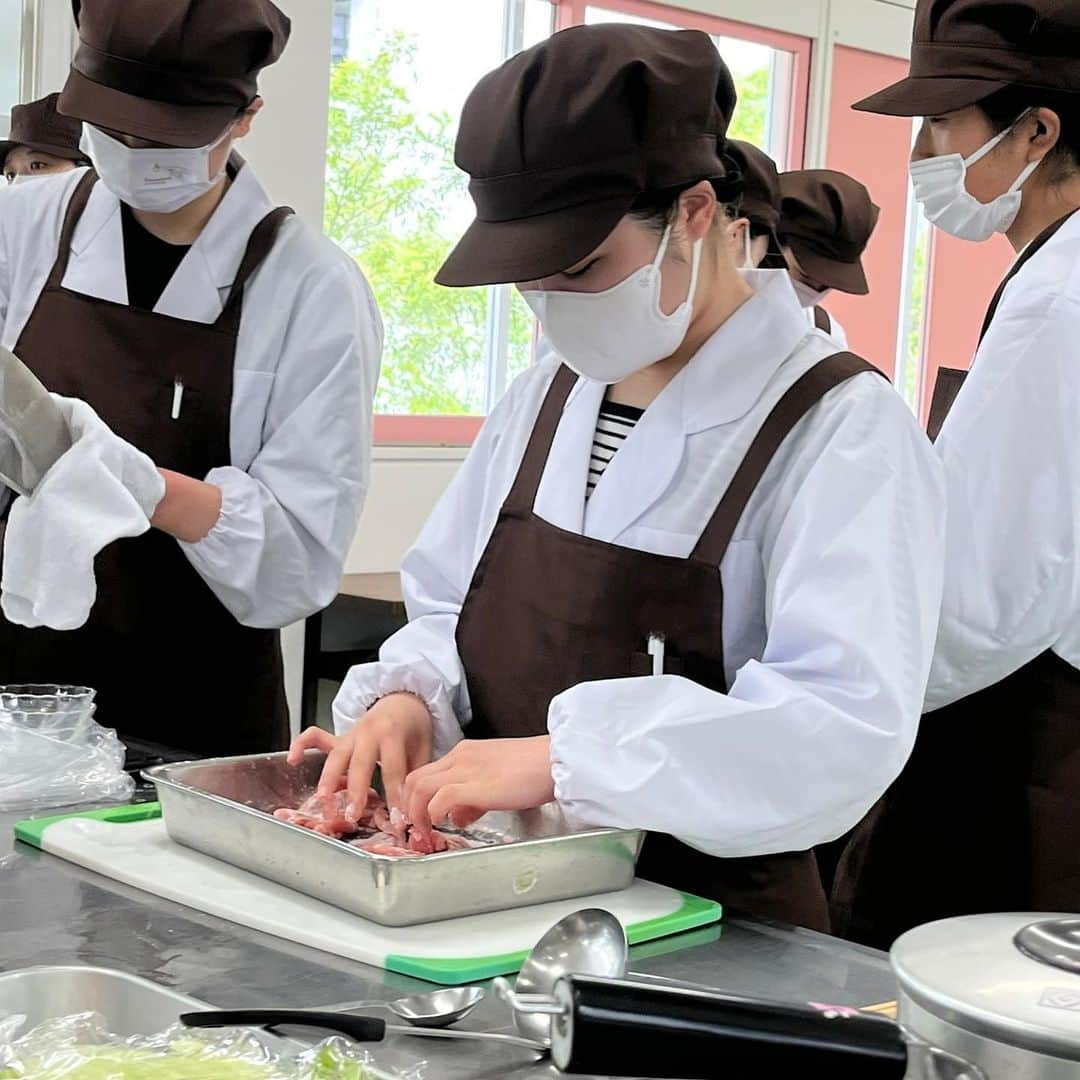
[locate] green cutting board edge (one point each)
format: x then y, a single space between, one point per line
694 912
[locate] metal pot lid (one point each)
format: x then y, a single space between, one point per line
1013 978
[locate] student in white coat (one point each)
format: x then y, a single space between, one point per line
987 814
688 577
217 359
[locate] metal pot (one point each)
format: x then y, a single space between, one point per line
1001 991
985 997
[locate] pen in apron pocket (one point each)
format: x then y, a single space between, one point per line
655 649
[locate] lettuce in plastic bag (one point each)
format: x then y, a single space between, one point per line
79 1048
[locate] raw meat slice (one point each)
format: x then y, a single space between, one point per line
330 814
383 844
384 832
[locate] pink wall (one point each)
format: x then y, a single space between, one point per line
873 149
963 278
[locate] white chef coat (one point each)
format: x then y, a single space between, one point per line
307 361
836 331
1012 467
832 587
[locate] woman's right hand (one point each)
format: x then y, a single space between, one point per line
395 733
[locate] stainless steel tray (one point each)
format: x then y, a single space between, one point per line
128 1005
223 807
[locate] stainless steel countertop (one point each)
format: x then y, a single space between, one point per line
52 912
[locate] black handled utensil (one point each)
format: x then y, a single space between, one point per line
622 1028
357 1028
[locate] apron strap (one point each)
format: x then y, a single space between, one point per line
1031 250
946 388
75 207
527 482
799 399
821 319
259 245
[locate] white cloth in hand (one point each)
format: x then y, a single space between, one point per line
100 490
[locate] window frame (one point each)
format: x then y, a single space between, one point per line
572 13
398 429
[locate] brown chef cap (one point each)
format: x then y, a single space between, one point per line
827 219
170 71
761 193
40 127
561 139
966 50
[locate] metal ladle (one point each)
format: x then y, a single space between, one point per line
438 1009
588 942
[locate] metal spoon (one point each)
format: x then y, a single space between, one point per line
357 1028
438 1009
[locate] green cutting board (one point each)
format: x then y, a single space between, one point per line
130 844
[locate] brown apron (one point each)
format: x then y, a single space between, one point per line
822 319
548 609
986 814
169 662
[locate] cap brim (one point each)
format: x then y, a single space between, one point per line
928 96
528 249
142 118
843 276
66 152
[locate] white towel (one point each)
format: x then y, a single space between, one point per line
100 490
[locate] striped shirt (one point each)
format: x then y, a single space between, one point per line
613 425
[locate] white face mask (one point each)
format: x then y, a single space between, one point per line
808 298
25 178
158 180
946 202
609 335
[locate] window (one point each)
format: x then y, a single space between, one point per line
396 201
765 76
401 71
914 296
342 20
11 75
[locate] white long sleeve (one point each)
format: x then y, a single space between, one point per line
1012 467
812 733
287 520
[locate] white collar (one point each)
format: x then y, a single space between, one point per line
730 372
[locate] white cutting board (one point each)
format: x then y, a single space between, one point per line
140 853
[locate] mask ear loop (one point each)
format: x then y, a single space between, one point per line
1024 176
664 240
1025 173
695 265
748 255
995 141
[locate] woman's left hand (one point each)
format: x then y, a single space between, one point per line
479 775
